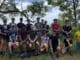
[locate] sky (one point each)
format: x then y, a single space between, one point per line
50 15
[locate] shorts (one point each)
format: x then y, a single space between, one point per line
78 46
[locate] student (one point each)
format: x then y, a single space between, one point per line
5 29
46 26
20 25
54 45
1 41
67 28
38 26
33 41
44 42
12 39
42 26
23 39
13 23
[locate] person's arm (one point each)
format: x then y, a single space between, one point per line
35 38
70 29
58 47
70 45
50 44
16 37
59 42
29 38
10 38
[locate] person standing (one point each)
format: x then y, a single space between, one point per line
38 27
54 45
5 30
67 28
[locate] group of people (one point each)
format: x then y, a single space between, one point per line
35 38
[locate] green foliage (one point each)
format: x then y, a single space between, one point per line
68 7
36 8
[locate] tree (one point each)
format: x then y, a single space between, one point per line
37 8
70 8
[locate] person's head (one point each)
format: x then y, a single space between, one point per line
38 19
5 21
55 20
13 20
45 22
42 21
67 22
21 20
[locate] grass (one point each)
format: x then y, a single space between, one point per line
42 57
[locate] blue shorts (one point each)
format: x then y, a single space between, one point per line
78 47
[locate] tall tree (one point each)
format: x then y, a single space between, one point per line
70 8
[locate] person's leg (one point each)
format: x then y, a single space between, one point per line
10 44
17 44
42 47
53 54
1 46
46 47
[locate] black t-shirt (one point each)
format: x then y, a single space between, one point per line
33 34
66 43
42 25
67 28
20 25
29 27
54 40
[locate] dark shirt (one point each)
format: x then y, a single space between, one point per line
29 27
67 28
54 40
33 34
20 25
